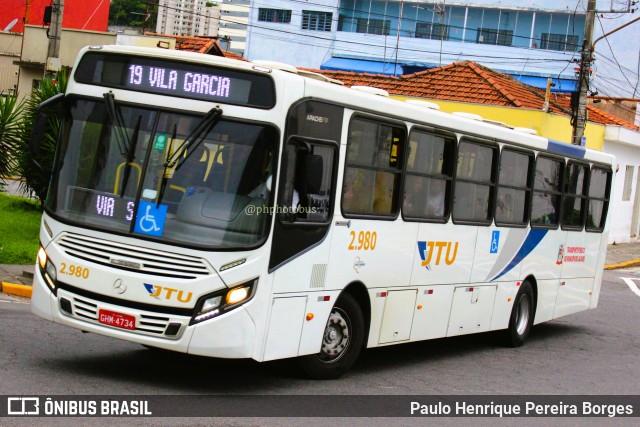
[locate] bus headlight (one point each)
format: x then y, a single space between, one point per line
47 269
212 305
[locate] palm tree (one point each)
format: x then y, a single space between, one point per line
10 135
36 180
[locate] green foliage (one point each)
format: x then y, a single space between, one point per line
11 123
37 181
19 230
132 13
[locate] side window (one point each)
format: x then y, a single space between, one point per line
598 198
475 182
575 196
514 188
308 174
373 168
547 192
427 187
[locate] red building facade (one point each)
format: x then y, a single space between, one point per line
78 14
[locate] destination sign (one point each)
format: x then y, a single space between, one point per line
175 78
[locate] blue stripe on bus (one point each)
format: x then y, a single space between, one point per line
533 239
565 149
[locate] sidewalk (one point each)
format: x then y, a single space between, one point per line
16 279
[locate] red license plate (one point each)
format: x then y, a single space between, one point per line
119 320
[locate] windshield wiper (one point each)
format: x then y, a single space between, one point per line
117 121
176 159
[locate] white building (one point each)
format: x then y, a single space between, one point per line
188 18
234 18
625 195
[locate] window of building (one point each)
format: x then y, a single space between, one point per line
560 42
575 195
475 182
598 200
427 187
547 192
281 16
373 168
373 26
514 188
493 36
628 180
316 21
427 30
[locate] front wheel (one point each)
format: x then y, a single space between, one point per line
341 342
521 316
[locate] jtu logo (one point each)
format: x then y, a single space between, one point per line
428 249
158 291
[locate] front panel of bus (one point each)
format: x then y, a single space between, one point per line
157 225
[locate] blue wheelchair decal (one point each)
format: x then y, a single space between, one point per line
495 242
150 219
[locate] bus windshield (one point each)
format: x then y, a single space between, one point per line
135 175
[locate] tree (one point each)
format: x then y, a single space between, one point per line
36 180
132 13
11 123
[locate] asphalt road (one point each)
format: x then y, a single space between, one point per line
592 352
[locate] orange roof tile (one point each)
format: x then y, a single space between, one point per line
468 81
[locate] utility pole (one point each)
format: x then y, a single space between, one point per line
54 33
579 105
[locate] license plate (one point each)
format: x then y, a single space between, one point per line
119 320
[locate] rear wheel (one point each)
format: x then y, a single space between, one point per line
341 342
521 316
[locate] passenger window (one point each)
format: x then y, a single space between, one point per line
475 182
598 198
308 175
547 192
574 202
373 168
427 185
514 188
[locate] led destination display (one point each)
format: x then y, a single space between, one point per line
181 79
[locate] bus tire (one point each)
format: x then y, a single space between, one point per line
522 314
342 341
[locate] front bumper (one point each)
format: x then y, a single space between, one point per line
230 335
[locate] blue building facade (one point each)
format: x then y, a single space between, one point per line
398 37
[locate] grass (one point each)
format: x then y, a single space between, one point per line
19 229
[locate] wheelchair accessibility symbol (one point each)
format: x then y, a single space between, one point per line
495 241
150 219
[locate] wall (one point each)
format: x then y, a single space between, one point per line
9 52
627 154
90 15
549 125
35 51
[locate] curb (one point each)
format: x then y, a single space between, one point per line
630 263
14 289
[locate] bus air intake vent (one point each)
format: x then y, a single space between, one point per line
318 273
133 258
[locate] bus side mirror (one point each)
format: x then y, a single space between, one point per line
46 124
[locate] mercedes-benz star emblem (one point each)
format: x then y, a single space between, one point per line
119 286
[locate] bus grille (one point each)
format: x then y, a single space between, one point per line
133 258
146 324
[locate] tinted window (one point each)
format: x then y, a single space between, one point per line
547 192
598 198
514 188
574 202
428 181
373 166
475 182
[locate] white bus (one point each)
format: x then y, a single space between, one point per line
239 210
